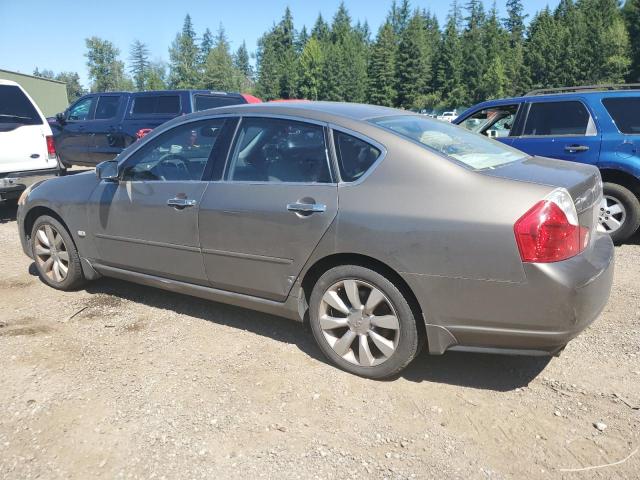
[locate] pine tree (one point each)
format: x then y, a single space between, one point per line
543 55
243 67
473 51
320 29
106 71
157 76
631 13
449 61
220 74
413 62
183 55
496 40
139 64
310 70
206 44
382 74
514 58
399 16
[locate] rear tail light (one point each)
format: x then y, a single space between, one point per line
51 147
549 231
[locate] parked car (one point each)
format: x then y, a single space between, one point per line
383 227
99 126
599 126
27 148
448 116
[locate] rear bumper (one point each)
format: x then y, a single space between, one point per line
12 185
554 304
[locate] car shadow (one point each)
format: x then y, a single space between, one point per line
8 212
480 371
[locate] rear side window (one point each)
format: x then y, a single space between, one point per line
15 107
107 107
205 102
355 156
625 112
156 104
558 118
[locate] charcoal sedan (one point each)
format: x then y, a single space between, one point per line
385 230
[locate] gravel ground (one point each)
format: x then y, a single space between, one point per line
124 381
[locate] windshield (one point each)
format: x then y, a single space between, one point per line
473 150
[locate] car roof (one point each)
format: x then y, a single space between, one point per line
324 111
561 96
169 92
8 82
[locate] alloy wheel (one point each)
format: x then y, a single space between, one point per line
51 253
611 215
359 322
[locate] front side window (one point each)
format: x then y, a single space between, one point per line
473 150
495 122
355 156
625 112
81 110
15 107
156 104
180 154
107 107
274 150
557 119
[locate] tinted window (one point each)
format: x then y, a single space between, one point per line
178 154
355 156
625 113
156 104
107 107
473 150
81 110
15 107
204 102
270 150
557 118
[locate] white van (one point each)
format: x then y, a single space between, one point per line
27 148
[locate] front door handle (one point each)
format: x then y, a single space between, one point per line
181 203
307 208
576 148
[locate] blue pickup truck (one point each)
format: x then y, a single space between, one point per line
598 125
98 126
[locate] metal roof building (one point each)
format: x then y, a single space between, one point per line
49 95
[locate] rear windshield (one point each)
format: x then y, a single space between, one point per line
625 111
205 102
473 150
15 107
156 104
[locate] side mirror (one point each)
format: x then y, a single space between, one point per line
61 118
108 171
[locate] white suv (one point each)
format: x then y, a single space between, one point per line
27 149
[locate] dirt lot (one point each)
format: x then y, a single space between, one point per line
123 381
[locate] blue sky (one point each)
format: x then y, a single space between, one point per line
48 34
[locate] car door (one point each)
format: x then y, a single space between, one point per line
262 220
108 137
148 221
74 139
563 129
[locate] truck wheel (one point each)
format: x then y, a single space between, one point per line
619 214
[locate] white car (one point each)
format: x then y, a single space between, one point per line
27 148
448 116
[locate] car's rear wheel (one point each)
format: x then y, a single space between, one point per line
619 212
55 254
362 322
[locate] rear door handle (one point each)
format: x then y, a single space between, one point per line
181 203
576 148
307 208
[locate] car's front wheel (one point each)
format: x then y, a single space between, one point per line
619 213
55 254
362 322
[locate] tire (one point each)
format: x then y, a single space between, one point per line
390 344
51 262
630 216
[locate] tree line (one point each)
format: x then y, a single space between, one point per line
411 62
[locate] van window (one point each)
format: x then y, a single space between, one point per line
625 112
558 118
156 104
15 107
205 102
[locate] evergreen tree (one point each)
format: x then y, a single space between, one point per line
473 52
543 53
631 13
514 59
106 71
44 74
243 67
219 73
74 88
206 44
399 16
320 29
183 56
310 70
449 61
157 76
301 40
495 81
413 63
382 71
139 64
